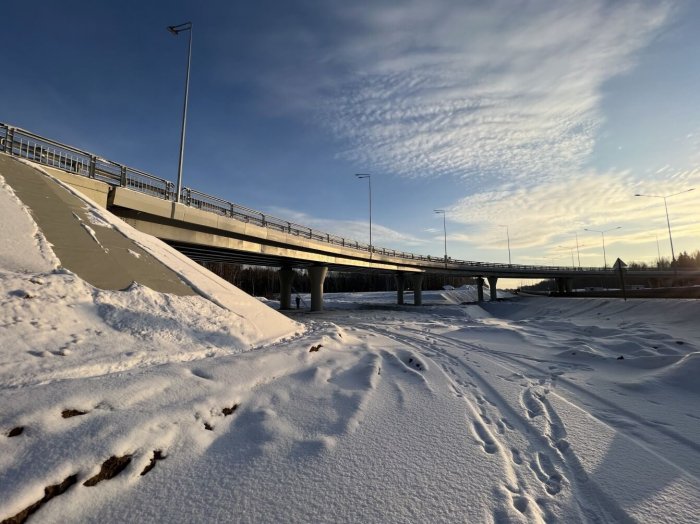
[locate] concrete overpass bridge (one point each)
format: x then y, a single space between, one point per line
207 228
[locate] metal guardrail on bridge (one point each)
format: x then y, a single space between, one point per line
24 144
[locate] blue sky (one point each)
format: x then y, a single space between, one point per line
545 116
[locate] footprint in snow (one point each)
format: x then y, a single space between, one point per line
547 473
485 438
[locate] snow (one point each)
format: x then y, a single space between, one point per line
514 411
24 249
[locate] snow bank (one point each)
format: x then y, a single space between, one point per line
262 324
24 248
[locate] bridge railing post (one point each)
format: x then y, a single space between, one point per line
91 166
122 176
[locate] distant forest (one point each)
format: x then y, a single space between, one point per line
683 261
264 281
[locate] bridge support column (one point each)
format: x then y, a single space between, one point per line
317 274
400 284
569 285
480 289
492 286
286 275
561 287
417 280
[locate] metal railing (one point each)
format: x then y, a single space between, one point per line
23 144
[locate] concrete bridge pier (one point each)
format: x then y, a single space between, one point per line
317 274
417 280
480 289
400 285
492 286
561 287
565 286
286 275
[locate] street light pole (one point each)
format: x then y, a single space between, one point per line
602 234
508 237
578 253
369 180
444 229
570 248
668 222
176 30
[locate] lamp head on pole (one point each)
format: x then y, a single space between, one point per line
177 29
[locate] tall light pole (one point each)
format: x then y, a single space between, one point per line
176 30
508 237
572 253
602 234
658 250
668 222
369 180
444 229
578 253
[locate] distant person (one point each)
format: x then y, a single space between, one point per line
298 301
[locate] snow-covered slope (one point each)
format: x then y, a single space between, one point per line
138 406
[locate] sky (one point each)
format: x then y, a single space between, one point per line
545 117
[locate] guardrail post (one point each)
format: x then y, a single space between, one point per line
10 140
262 217
122 176
91 168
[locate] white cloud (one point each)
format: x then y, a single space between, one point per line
356 230
489 91
550 213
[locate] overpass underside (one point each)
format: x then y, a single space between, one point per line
208 237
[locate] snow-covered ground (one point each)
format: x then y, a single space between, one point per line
515 411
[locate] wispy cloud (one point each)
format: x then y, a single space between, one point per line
551 213
350 229
490 91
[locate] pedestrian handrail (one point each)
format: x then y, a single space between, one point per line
24 144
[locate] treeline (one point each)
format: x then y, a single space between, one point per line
264 281
683 261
